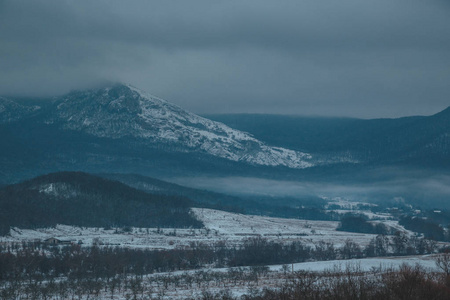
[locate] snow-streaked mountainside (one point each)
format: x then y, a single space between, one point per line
123 111
11 111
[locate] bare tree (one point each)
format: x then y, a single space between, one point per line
443 262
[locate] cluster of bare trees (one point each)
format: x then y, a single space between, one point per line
36 259
37 269
428 227
406 283
155 286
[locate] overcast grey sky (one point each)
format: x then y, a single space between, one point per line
383 58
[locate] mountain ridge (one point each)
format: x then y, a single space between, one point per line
121 129
416 139
125 111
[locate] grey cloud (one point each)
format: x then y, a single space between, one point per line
354 58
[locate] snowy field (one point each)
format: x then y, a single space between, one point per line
342 206
192 284
233 229
367 264
219 226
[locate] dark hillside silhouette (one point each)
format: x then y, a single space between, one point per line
76 198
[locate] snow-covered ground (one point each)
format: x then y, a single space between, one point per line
280 229
276 274
427 262
344 206
217 279
233 229
367 264
370 215
219 226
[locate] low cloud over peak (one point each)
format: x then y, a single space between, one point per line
348 58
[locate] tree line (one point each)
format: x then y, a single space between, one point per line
259 282
34 260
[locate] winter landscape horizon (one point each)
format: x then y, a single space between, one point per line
224 151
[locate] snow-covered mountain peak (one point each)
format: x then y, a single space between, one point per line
123 111
147 95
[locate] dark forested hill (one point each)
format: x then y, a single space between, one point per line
76 198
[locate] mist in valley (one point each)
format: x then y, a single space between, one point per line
430 191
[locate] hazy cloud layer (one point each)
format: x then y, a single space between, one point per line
355 58
427 190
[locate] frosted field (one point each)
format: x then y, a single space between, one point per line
368 214
219 226
368 264
216 279
283 230
276 274
232 228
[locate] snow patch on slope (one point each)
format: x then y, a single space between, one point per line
11 111
58 189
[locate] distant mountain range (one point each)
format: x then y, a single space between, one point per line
417 141
123 129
